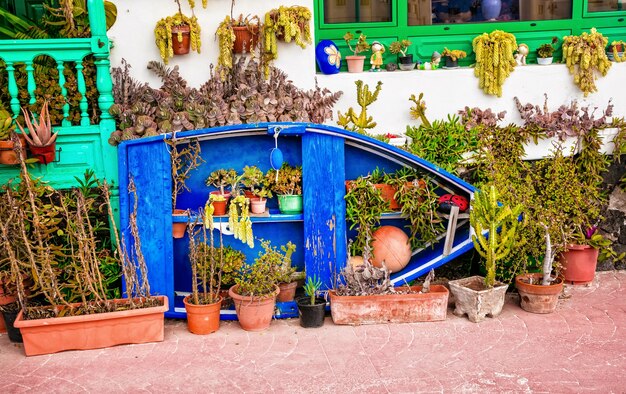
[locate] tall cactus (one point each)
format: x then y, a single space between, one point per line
364 97
487 214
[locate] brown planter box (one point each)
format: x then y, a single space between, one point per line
44 336
390 308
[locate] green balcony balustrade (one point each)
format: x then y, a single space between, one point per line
83 144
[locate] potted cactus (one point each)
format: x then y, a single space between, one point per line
40 138
495 227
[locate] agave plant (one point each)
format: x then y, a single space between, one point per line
39 132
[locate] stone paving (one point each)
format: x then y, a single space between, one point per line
580 348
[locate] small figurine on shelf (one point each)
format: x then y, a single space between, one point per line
435 59
376 60
520 56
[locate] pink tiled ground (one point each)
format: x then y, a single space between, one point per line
579 349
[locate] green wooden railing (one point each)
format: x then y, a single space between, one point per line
81 146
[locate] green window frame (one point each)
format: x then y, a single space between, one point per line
427 38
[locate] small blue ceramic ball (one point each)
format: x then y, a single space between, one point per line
328 57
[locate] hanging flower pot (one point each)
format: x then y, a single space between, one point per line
246 38
45 154
181 39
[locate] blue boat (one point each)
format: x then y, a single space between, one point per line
328 155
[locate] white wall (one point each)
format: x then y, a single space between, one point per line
445 91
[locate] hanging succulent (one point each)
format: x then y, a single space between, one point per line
288 24
584 55
494 60
171 32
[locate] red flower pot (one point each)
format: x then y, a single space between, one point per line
579 264
181 47
202 319
45 154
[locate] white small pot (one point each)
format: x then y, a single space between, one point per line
544 60
397 141
258 206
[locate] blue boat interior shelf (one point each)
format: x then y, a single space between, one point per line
328 155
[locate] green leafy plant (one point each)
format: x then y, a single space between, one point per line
454 54
399 47
223 178
260 279
311 287
361 44
361 122
547 50
287 182
364 205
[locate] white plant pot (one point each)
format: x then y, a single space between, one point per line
406 67
544 60
397 141
608 135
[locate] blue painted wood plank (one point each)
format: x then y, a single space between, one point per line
323 190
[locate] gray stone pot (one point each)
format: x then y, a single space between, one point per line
473 299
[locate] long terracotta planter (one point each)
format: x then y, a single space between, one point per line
536 298
390 308
202 319
471 298
45 336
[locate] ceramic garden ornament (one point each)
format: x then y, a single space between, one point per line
376 60
520 56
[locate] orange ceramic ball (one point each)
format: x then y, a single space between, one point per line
391 245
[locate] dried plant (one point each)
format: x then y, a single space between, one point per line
53 237
184 159
243 96
365 279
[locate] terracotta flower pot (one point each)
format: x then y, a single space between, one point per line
220 207
287 291
8 155
100 330
390 308
178 228
202 319
181 47
536 298
254 313
355 63
258 205
45 154
579 264
245 38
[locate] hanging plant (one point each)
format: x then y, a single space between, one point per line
177 24
494 60
584 56
288 24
